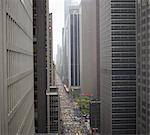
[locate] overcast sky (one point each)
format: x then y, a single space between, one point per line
57 8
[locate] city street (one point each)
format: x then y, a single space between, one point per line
73 123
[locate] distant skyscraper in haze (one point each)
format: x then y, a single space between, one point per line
74 47
64 57
16 68
65 43
59 60
67 4
143 67
88 48
118 66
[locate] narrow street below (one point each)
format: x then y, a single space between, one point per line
73 123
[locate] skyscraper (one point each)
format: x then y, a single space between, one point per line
65 43
52 91
88 48
67 4
41 64
51 48
143 68
74 47
59 61
16 68
118 66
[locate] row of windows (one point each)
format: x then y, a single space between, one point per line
123 49
122 5
126 43
124 33
123 21
123 1
130 115
124 78
123 10
131 77
123 27
124 55
123 132
123 72
124 65
124 126
124 83
124 60
122 16
123 94
123 99
129 121
123 38
127 88
123 105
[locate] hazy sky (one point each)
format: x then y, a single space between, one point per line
57 8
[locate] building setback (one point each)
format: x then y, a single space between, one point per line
41 68
118 66
143 68
16 68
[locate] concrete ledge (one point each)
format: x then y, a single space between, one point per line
18 77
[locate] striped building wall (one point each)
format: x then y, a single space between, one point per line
16 67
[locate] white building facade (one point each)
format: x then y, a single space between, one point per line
16 67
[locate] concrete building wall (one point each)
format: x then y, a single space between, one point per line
88 64
3 76
16 68
143 69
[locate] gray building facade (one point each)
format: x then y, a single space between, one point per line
53 107
118 66
95 115
143 68
41 64
16 68
54 111
74 47
88 48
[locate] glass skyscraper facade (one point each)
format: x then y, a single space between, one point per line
74 47
118 66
